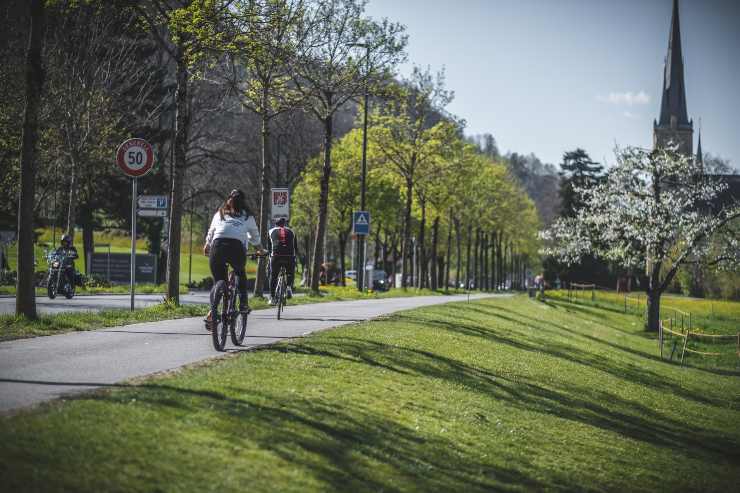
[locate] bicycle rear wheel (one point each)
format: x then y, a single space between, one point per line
280 294
219 314
238 328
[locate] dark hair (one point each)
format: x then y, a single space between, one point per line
234 205
282 221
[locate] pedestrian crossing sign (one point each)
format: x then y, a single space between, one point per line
361 223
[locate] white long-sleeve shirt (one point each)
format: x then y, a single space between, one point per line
242 228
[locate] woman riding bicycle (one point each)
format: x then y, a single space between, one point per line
232 228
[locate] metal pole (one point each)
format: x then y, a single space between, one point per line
363 177
133 241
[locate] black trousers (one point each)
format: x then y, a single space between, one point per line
276 262
229 251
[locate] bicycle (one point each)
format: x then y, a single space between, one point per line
281 291
227 317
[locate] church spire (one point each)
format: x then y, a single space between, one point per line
673 128
673 104
699 155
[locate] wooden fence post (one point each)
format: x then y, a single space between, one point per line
685 342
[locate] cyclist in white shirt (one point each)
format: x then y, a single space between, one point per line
232 228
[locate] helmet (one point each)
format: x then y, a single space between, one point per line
66 239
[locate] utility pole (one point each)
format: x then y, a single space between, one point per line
363 176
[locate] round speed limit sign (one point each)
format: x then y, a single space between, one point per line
135 157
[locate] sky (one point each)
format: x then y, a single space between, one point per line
547 76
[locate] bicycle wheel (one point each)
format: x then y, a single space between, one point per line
238 327
220 322
280 294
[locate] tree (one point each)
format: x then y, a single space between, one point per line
655 211
409 135
264 41
25 303
579 171
330 72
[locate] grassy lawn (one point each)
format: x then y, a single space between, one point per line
709 316
504 394
12 327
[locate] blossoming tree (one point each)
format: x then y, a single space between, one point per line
656 211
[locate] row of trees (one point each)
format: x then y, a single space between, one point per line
426 183
238 93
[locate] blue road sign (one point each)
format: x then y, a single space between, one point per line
361 223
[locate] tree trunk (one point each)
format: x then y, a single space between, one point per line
72 204
406 235
25 297
318 250
422 263
264 196
476 260
435 241
654 292
458 254
653 310
447 256
88 243
342 253
467 257
182 120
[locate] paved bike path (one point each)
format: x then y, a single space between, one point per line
45 368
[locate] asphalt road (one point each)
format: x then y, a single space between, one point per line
45 368
96 302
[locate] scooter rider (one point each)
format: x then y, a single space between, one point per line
69 253
232 228
283 247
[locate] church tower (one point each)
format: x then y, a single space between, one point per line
674 124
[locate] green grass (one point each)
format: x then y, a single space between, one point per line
505 394
14 327
709 316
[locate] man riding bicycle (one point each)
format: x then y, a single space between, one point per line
232 228
283 247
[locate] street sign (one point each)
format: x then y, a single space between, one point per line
152 213
135 157
152 201
280 203
361 223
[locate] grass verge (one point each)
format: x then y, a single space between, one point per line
493 395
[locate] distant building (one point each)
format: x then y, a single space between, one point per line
674 126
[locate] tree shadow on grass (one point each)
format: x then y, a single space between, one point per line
579 404
346 448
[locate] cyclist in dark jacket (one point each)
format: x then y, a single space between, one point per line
283 247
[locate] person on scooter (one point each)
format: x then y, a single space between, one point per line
232 228
69 253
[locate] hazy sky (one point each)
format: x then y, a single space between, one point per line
546 76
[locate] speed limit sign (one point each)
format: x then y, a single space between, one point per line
135 157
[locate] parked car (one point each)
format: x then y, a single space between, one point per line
352 274
380 281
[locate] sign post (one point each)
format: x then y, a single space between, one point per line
280 204
361 228
135 158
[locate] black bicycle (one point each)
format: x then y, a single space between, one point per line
224 314
281 291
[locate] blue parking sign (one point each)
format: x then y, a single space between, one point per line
361 223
